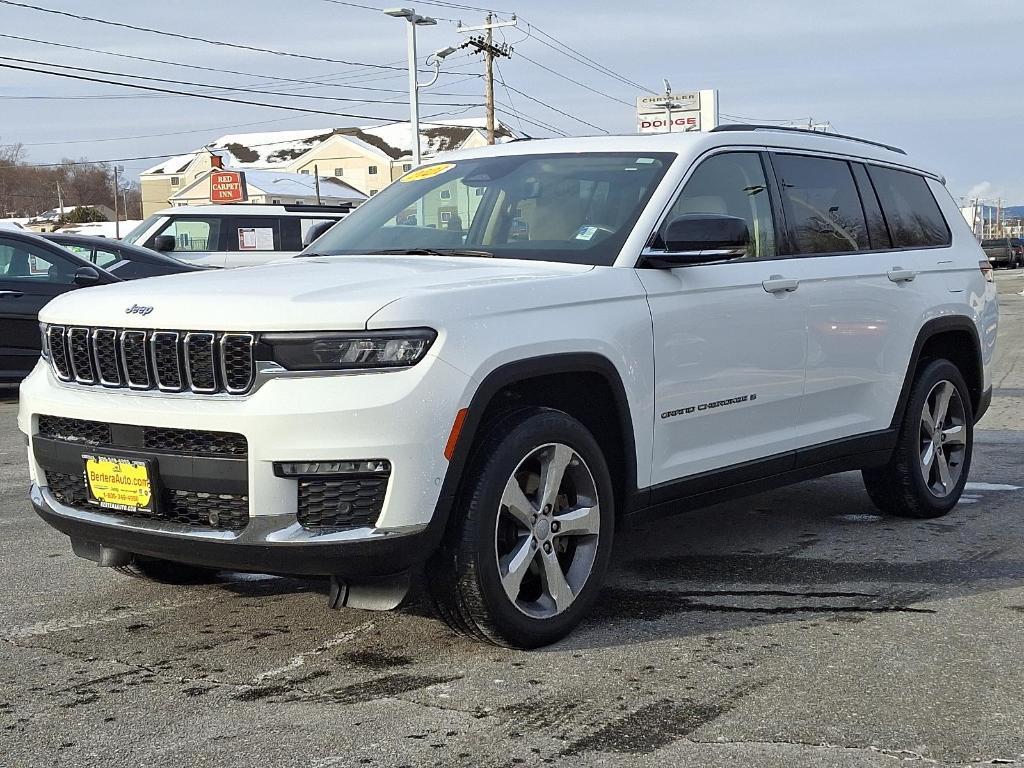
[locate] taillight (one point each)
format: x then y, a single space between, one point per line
986 269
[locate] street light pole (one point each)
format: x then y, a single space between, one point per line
414 20
414 96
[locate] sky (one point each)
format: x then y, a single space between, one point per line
936 77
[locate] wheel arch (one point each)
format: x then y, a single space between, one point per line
527 382
956 339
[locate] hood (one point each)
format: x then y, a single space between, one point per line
321 293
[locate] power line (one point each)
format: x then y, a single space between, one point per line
194 38
508 93
200 67
563 76
581 58
209 97
154 135
239 89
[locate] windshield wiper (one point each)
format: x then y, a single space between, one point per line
433 252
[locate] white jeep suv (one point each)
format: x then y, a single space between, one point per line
502 358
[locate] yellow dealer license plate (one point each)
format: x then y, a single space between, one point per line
118 483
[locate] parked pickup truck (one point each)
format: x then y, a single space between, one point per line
1004 251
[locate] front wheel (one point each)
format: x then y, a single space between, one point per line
929 466
525 556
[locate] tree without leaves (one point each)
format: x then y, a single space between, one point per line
27 190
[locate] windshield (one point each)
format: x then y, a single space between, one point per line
574 208
140 230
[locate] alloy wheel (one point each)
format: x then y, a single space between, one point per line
943 439
547 531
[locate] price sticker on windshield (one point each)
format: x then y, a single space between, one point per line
427 172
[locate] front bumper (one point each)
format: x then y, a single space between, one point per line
402 417
274 544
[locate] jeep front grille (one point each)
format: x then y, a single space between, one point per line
167 361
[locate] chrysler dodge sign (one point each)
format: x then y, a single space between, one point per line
227 187
677 112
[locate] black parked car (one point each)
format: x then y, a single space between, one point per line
123 260
33 271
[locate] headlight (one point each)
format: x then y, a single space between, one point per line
46 341
347 351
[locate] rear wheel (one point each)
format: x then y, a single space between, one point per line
166 572
932 458
524 560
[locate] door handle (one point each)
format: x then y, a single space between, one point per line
901 275
12 294
780 284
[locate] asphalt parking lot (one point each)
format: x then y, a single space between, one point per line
789 629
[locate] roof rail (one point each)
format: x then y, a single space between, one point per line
312 208
788 129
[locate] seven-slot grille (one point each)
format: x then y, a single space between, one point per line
168 361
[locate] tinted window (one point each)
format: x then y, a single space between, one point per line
910 209
21 261
106 258
878 233
82 251
822 206
732 184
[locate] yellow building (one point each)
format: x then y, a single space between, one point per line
366 159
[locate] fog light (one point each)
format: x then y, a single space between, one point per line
307 468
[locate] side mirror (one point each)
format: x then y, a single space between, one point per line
315 231
86 276
163 243
701 238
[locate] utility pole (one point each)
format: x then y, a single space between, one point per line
485 44
117 218
60 200
316 180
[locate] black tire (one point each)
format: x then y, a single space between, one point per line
463 576
900 487
166 572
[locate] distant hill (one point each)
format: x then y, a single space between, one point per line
1013 212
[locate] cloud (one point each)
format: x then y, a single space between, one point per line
981 189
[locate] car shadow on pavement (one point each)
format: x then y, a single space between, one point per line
817 550
8 393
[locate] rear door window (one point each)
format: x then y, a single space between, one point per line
914 218
106 258
822 206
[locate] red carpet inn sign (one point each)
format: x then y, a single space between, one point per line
227 187
677 112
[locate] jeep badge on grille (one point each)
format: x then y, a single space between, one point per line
136 309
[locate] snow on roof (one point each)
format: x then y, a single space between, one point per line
300 184
175 164
438 137
267 149
271 149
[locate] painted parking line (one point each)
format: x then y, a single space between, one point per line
991 487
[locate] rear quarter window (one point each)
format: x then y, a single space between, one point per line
910 209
